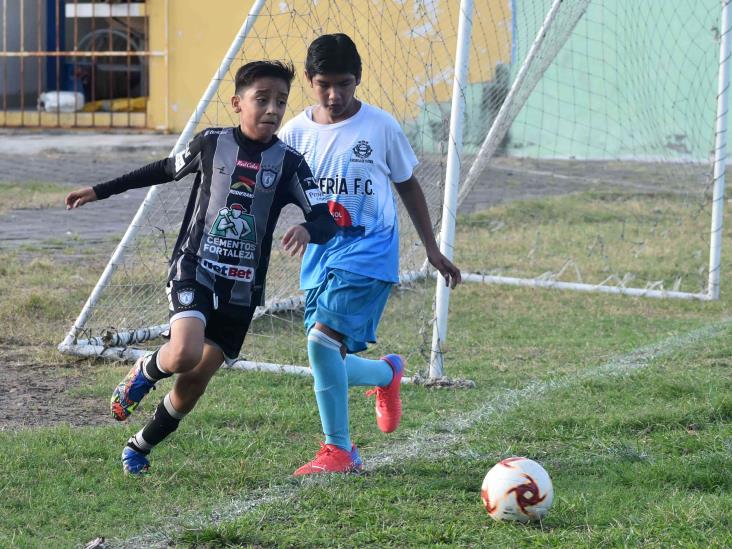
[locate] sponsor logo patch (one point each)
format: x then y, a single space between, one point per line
234 223
340 214
247 164
244 184
232 272
315 196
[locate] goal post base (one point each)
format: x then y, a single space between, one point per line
583 287
128 354
442 382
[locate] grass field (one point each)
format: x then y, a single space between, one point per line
34 195
626 402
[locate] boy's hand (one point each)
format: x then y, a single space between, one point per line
449 271
296 240
80 197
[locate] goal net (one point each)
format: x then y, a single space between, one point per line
600 110
602 165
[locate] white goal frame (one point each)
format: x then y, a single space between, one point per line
118 346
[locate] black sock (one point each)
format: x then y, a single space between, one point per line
151 368
165 420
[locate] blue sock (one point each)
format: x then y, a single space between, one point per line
331 387
366 371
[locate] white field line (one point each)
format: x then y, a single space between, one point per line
433 441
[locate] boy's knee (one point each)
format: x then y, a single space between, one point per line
184 356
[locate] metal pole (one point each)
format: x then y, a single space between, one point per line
193 121
720 153
452 176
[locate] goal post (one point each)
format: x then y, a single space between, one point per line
109 325
122 340
608 104
690 159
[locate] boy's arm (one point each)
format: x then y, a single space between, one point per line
141 177
155 173
318 221
411 194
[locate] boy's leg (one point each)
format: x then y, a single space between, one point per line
331 384
368 372
331 316
384 374
180 354
186 392
224 333
337 454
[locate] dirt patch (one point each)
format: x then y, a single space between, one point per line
34 394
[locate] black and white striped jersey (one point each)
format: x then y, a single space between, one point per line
240 189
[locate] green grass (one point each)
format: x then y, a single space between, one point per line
639 459
594 235
31 194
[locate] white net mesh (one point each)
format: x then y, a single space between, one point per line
619 115
615 108
408 51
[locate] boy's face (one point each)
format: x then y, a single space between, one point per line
335 94
261 107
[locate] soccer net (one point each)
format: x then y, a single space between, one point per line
603 110
602 164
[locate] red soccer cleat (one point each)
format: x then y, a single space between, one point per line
332 459
388 399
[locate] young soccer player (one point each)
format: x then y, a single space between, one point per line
357 151
245 176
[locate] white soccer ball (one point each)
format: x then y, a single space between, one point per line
518 489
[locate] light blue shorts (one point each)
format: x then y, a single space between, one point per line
350 304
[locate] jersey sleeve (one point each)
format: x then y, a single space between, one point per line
400 157
155 173
188 160
313 203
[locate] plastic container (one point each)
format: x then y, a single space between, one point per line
61 101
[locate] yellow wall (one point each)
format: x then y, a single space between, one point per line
400 42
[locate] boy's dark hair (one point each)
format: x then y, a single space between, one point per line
248 73
333 54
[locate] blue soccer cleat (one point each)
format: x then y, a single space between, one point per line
131 390
134 462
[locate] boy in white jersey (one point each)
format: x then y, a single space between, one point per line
356 151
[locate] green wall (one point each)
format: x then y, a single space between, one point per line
637 78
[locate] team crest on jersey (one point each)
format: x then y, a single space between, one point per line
363 149
267 176
185 297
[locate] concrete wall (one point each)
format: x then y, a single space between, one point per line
407 47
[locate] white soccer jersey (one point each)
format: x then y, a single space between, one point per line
354 162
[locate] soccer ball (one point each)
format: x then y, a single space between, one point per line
518 489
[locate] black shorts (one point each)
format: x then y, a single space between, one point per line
226 325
